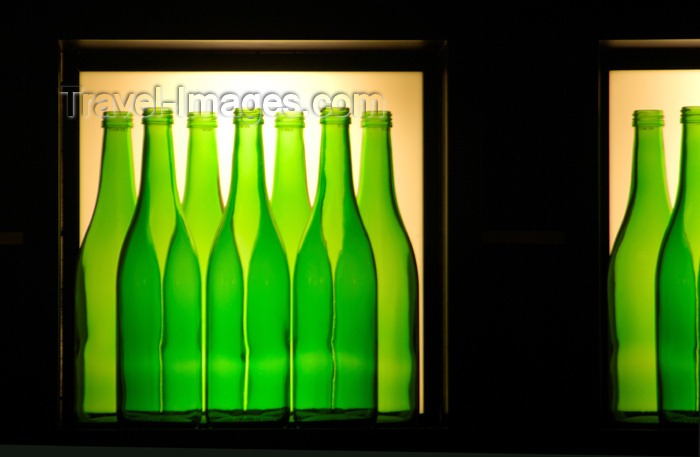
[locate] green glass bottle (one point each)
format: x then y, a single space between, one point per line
397 275
631 276
335 295
182 329
96 285
290 196
677 307
248 301
158 294
202 204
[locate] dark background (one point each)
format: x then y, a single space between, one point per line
526 334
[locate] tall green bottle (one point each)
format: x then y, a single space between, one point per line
631 276
202 204
248 295
96 285
677 305
397 275
158 294
290 196
335 294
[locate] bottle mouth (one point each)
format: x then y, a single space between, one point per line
335 115
376 119
690 115
201 119
157 116
248 116
117 119
289 119
650 117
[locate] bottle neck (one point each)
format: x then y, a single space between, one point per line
248 203
335 181
290 166
376 170
689 185
202 183
116 191
249 170
158 175
648 176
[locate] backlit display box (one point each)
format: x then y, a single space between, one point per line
404 77
641 340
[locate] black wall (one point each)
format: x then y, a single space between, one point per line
526 354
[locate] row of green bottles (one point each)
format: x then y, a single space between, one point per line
247 329
652 282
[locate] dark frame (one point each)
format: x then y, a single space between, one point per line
428 57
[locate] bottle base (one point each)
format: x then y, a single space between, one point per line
186 419
334 416
680 417
256 416
138 418
394 416
193 417
97 418
636 417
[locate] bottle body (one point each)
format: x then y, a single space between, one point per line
248 301
677 277
202 207
96 304
181 347
631 277
397 276
290 198
335 347
157 290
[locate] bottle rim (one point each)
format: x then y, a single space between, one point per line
111 114
690 115
376 119
156 115
289 119
648 117
335 115
248 116
201 119
117 119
